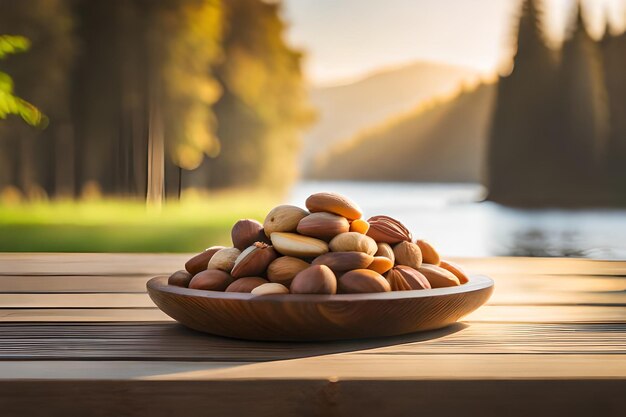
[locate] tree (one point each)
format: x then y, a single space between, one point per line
585 112
614 54
263 106
522 144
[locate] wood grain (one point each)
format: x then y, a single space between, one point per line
171 342
295 317
554 332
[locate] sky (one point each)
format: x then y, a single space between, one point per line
347 39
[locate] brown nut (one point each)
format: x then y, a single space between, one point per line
253 261
283 218
405 278
246 284
200 262
408 253
334 203
456 270
362 281
429 254
247 231
282 270
344 261
385 229
438 277
353 242
384 249
323 225
359 226
293 244
180 279
224 259
270 288
380 264
316 279
213 280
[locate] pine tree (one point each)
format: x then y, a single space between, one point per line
585 113
521 150
614 54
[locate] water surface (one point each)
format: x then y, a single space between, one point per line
452 217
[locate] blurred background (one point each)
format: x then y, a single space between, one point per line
489 127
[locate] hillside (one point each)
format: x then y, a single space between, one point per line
347 109
444 141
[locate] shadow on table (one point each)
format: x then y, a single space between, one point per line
203 347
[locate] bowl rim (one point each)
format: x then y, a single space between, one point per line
475 283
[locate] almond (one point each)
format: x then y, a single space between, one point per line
270 288
200 262
283 219
384 249
334 203
380 264
247 231
224 259
213 280
384 229
180 279
293 244
246 284
404 278
282 270
439 277
353 242
408 253
456 270
253 261
316 279
362 281
344 261
429 254
323 225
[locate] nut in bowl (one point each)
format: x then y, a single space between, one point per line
311 275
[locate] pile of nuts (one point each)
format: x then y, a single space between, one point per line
328 249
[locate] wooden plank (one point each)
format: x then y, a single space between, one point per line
141 299
537 289
11 284
82 315
75 300
117 264
90 263
488 313
339 367
261 397
169 341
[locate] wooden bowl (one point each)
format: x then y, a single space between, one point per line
293 317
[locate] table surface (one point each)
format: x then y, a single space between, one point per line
80 336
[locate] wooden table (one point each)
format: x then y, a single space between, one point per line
79 336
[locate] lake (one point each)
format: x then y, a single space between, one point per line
455 220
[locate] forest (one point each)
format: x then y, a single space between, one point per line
142 98
558 132
550 131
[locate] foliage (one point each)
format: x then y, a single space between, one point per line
10 104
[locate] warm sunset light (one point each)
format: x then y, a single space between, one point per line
360 208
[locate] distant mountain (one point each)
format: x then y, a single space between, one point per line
444 142
344 110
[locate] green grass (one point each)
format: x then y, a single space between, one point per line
126 226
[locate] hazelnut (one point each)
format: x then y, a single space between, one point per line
224 259
245 232
282 270
362 281
213 280
316 279
408 253
344 261
246 284
200 262
180 279
323 225
253 260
